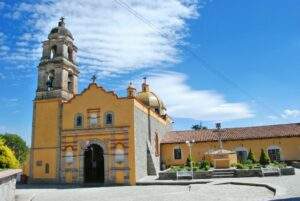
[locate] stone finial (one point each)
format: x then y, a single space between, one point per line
131 91
145 86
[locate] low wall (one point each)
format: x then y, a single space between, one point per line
287 171
167 175
248 173
296 164
8 184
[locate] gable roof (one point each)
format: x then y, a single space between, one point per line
112 93
245 133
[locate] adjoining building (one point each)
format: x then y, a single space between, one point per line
97 136
94 136
281 142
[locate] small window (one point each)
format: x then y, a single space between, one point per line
47 168
93 120
53 52
78 120
177 154
70 83
109 119
50 80
274 154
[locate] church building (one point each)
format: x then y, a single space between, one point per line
94 136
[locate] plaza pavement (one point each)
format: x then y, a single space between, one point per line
287 188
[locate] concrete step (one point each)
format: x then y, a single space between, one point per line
223 176
222 173
223 170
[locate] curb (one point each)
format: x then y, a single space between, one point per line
184 183
251 184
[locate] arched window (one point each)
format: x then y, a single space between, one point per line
177 153
47 169
119 154
53 52
156 145
109 118
50 80
78 121
70 54
242 154
70 82
274 153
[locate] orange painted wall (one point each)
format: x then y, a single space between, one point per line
45 142
290 148
97 98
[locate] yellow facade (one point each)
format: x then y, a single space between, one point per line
289 148
56 138
94 136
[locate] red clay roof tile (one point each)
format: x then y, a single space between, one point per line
257 132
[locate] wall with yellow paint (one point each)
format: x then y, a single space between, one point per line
95 97
290 148
45 141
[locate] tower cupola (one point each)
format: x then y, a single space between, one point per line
57 71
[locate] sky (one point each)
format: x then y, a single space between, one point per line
234 62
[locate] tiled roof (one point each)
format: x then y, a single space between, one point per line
257 132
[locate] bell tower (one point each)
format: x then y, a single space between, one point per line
57 71
57 82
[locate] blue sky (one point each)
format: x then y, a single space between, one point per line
254 44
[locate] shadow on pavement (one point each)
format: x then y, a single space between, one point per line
63 186
288 199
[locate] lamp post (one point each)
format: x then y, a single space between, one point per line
190 144
218 127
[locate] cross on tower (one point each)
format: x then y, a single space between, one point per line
94 78
61 22
145 80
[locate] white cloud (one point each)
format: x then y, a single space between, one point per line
290 113
184 102
111 40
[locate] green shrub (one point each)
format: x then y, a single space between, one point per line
7 157
205 165
251 157
240 166
264 158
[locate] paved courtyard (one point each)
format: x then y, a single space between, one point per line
286 187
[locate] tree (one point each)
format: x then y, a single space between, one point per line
7 157
264 158
17 145
251 156
198 127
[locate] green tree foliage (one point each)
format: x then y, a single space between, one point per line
7 157
198 127
251 156
17 145
264 158
188 161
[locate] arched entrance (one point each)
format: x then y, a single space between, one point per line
93 164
